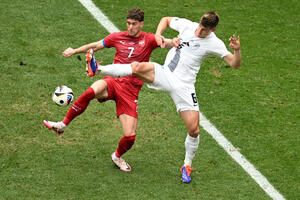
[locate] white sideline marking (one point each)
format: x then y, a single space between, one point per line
210 128
99 16
240 159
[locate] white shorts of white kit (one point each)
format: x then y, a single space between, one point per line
183 95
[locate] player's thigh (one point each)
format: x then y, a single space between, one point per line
100 89
184 97
163 79
191 120
129 124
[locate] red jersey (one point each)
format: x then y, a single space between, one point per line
130 49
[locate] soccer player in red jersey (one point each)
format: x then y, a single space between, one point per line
131 45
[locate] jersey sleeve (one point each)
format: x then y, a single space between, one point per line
180 24
219 49
109 41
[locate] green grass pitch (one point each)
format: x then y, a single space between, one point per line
256 108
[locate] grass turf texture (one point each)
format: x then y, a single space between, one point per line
256 107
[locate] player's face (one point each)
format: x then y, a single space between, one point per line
134 27
203 31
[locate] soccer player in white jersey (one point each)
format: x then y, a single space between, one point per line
178 74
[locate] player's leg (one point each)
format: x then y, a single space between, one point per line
97 89
191 120
100 89
144 70
129 125
126 106
186 103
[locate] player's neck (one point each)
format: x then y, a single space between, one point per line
138 34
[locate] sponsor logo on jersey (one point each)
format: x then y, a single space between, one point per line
142 43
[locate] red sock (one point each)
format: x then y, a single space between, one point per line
124 145
79 105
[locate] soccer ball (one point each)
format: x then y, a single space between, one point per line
63 95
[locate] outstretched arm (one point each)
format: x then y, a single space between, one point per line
234 60
83 49
161 41
163 24
167 43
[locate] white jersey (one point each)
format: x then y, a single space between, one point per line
185 61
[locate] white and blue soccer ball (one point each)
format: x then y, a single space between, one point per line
63 95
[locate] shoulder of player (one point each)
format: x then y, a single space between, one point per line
125 34
185 26
119 33
114 35
211 37
149 35
183 21
215 37
215 41
146 36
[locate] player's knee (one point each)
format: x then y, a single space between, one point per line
194 134
99 87
194 131
134 67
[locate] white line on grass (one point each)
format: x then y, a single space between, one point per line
99 16
240 159
209 127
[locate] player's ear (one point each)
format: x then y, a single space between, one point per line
213 29
142 24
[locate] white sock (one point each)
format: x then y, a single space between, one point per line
191 146
114 156
116 70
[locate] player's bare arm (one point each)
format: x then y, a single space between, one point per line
234 60
166 43
163 24
83 49
161 27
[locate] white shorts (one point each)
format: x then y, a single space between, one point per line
183 95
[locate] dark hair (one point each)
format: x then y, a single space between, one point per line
136 14
210 19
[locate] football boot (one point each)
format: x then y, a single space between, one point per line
92 66
57 127
121 163
186 173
